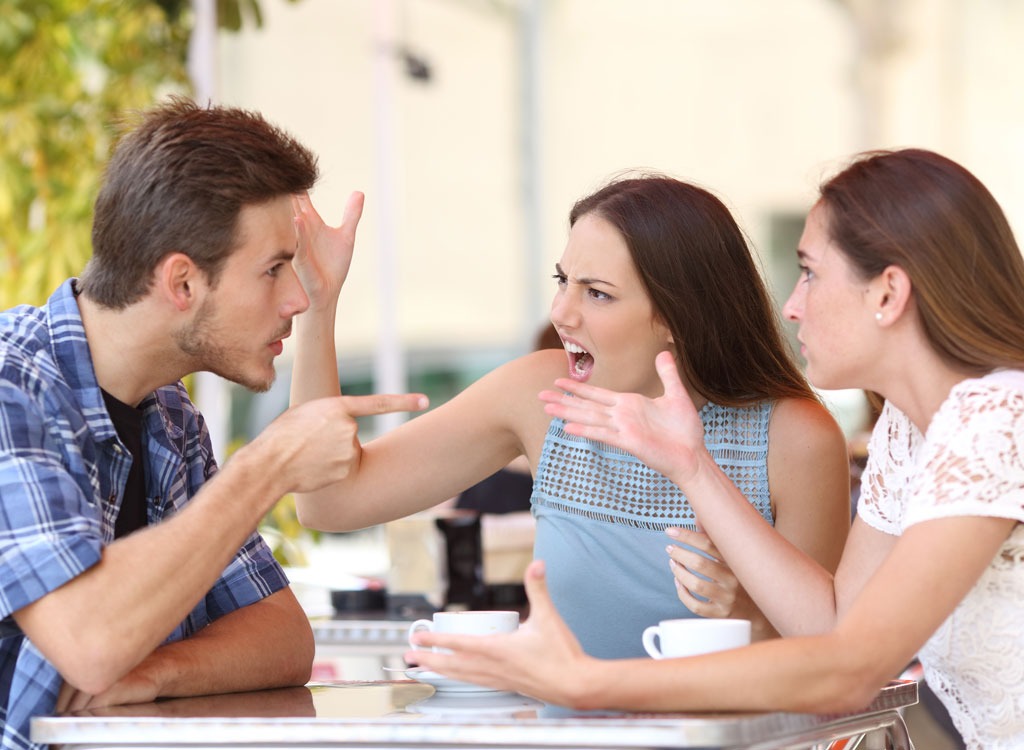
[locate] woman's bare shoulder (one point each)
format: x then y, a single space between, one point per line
804 428
515 385
535 370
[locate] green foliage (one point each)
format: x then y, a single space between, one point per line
70 70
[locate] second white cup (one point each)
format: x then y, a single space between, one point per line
467 622
690 637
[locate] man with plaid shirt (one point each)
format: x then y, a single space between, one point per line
129 565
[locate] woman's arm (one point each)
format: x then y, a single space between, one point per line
438 454
428 459
792 589
322 259
808 475
911 592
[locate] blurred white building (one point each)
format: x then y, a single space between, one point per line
473 125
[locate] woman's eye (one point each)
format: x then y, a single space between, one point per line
560 278
273 270
598 294
806 273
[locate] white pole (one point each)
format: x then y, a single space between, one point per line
389 358
202 51
213 396
531 161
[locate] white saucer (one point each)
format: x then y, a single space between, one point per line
441 683
474 703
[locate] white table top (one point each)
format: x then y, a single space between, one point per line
409 714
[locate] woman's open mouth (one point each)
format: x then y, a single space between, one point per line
581 363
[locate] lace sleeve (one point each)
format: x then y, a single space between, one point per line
972 462
890 461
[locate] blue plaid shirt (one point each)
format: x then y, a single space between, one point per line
62 474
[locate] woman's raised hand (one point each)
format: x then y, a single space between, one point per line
665 433
324 253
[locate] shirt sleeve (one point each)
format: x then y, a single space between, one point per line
50 530
972 463
253 573
880 502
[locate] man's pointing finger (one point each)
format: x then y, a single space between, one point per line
384 403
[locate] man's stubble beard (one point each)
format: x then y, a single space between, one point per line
199 342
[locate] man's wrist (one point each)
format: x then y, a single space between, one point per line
261 469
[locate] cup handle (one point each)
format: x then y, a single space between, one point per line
648 640
416 627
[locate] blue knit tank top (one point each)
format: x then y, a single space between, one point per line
601 515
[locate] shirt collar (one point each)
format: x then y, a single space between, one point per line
71 353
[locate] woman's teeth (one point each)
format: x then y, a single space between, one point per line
581 360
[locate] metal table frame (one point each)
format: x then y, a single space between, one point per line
878 727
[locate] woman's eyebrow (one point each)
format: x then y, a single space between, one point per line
583 279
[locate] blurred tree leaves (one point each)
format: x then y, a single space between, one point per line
229 12
68 70
71 67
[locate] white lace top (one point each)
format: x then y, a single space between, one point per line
969 463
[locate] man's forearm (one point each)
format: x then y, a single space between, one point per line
144 586
264 645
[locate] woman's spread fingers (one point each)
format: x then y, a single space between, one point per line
462 644
472 659
585 391
695 539
668 372
353 209
700 607
535 583
694 560
574 414
694 584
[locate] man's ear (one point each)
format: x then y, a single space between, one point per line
178 280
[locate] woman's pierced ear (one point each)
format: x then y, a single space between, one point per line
878 316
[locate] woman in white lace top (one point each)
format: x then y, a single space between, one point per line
912 286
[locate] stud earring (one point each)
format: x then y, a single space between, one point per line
878 316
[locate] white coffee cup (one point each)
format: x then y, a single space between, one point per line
468 622
689 637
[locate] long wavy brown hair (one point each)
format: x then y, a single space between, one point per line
931 217
698 271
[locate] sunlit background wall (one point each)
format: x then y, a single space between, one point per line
473 125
